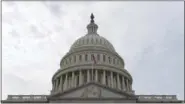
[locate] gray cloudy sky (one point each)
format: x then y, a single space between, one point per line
148 35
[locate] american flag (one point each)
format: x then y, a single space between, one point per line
93 58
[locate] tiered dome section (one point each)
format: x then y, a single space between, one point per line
92 40
91 59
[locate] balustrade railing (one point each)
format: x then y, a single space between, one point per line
27 97
157 97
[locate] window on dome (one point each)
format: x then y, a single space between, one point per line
104 58
74 58
92 57
114 61
98 57
66 61
69 59
86 57
92 41
100 41
109 60
80 57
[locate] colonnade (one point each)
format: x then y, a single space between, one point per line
77 78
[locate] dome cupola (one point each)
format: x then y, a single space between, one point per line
92 27
92 39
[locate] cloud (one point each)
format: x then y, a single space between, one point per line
148 35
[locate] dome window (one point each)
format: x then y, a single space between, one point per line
104 58
74 58
100 41
118 62
82 41
114 61
98 56
87 41
92 57
80 57
66 61
70 60
109 60
86 57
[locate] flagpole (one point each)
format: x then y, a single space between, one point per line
92 71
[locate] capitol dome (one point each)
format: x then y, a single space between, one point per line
92 59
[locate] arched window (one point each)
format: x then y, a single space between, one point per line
114 61
87 41
98 57
66 61
69 59
104 58
86 57
109 60
92 56
74 58
80 57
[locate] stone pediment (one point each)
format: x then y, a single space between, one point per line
92 90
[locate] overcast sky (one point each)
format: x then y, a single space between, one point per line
148 35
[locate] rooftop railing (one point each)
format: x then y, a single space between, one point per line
157 97
27 97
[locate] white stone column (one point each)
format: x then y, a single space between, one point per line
80 78
96 75
123 82
118 82
88 76
104 78
73 80
56 84
112 82
66 80
52 86
127 85
130 86
61 83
